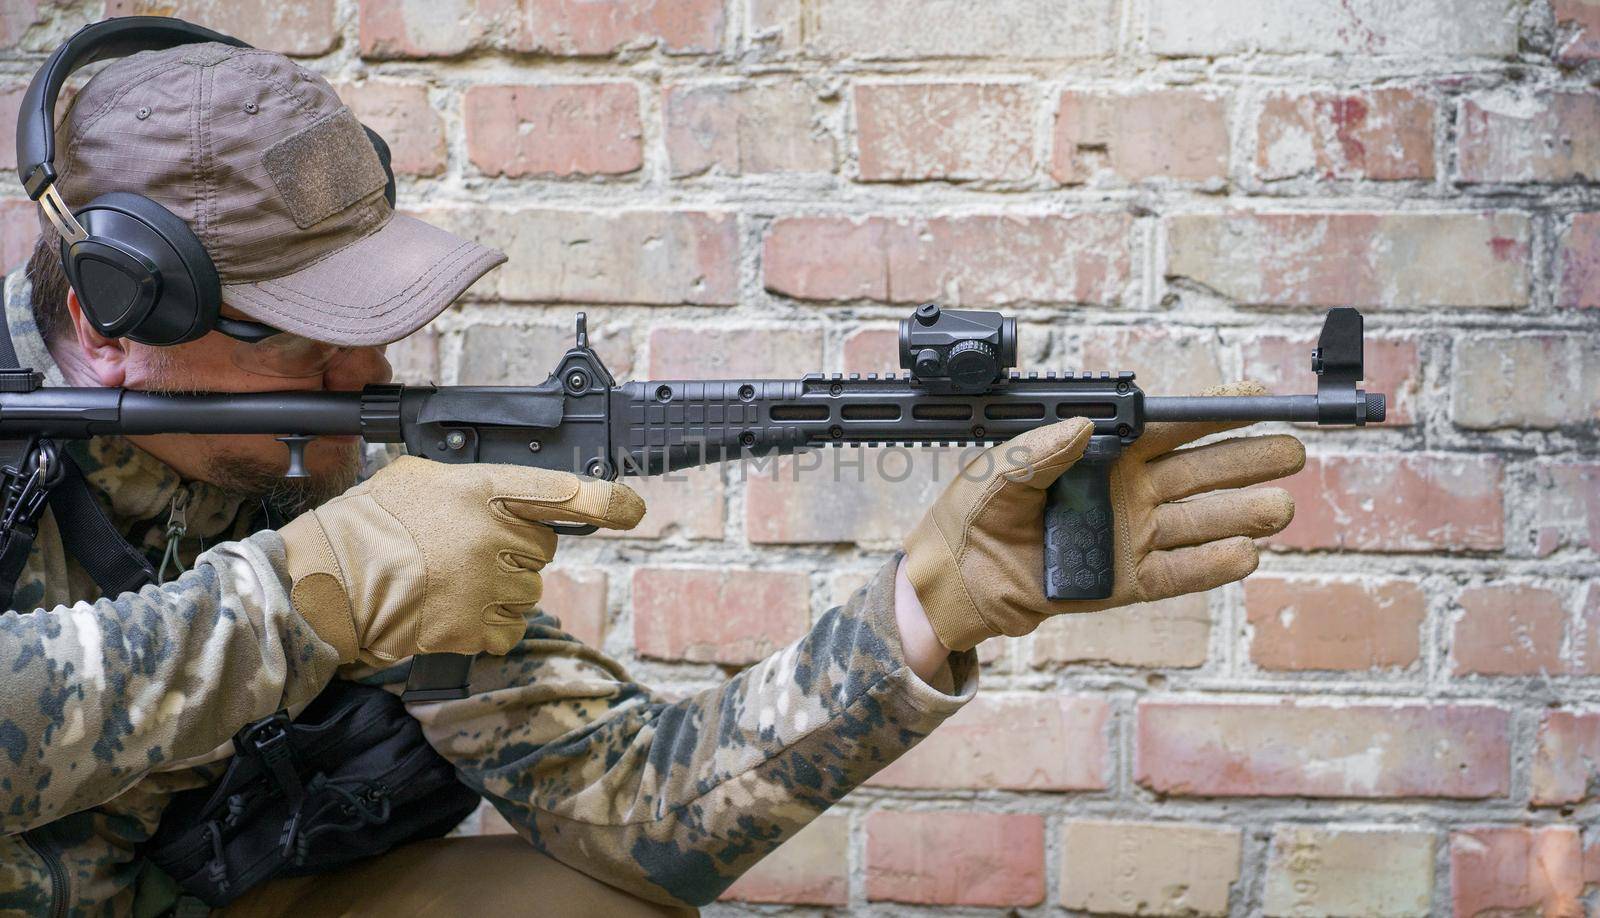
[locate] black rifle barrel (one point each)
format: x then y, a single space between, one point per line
321 414
78 413
1247 408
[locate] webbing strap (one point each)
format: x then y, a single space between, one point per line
89 536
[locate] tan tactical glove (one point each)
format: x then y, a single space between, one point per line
976 558
427 557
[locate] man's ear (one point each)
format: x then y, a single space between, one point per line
106 357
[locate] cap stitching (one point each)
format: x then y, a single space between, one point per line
379 203
301 105
202 171
289 294
423 281
77 131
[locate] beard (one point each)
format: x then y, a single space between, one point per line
334 467
286 497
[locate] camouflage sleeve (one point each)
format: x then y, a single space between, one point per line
673 801
97 695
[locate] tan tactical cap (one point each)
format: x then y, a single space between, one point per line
279 181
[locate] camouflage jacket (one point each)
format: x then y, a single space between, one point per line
112 705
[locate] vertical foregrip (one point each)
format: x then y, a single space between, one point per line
1078 556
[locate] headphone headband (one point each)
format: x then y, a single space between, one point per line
36 126
139 271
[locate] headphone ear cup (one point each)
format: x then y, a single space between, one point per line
142 273
384 157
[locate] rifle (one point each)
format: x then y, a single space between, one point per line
959 388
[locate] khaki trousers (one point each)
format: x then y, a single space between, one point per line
478 875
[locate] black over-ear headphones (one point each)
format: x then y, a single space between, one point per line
139 270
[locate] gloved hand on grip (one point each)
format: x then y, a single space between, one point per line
426 557
976 559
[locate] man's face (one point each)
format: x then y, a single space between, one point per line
249 464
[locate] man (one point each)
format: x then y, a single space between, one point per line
115 704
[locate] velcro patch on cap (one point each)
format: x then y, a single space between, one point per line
325 168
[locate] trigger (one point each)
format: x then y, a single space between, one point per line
573 529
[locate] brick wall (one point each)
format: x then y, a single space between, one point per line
1399 714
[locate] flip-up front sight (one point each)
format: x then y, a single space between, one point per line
957 350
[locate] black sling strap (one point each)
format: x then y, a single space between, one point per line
88 535
86 532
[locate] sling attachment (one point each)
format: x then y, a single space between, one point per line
177 528
28 483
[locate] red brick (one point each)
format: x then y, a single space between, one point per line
415 358
746 129
1370 260
1173 632
10 103
1412 502
1358 28
40 26
1500 871
812 868
843 584
1591 860
1563 507
686 504
699 352
978 260
1580 262
1349 870
647 257
1282 363
872 350
1578 28
19 228
1509 631
577 596
1303 623
1166 362
1381 135
1550 137
1308 749
903 29
1011 741
729 616
15 19
516 355
418 28
554 130
845 494
958 131
952 858
303 28
403 116
1148 868
1526 381
1586 660
1566 759
1173 134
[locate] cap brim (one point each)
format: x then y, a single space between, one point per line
376 290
